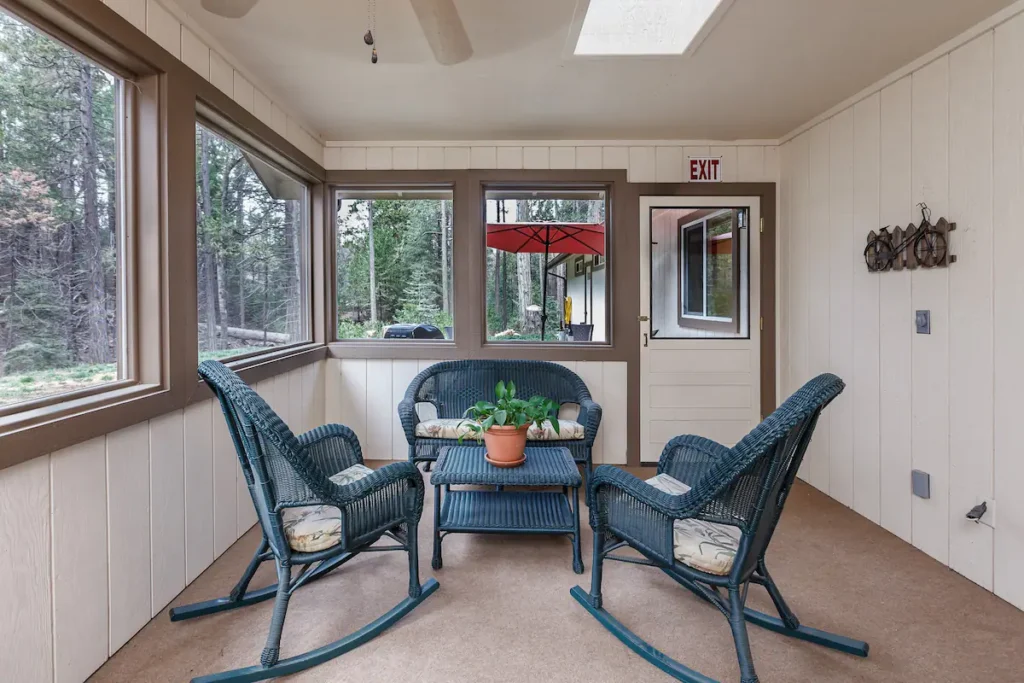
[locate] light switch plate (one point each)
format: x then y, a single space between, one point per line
921 484
923 321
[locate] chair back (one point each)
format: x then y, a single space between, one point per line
753 483
268 452
454 386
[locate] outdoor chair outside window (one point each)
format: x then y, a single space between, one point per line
319 506
706 520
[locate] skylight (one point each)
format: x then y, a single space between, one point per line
642 27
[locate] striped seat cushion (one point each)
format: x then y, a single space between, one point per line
705 546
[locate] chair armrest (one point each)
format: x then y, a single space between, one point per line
688 458
590 418
407 415
636 512
609 477
332 447
403 477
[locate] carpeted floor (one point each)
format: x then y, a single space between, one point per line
503 613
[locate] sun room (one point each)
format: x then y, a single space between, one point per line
439 325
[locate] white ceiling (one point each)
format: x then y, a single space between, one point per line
769 66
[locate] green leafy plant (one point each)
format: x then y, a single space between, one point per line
509 411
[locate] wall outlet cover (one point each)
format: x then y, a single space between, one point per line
921 484
923 322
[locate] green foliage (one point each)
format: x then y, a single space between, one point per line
507 410
407 267
58 199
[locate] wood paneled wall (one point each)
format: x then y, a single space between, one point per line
754 161
161 21
98 538
364 394
949 134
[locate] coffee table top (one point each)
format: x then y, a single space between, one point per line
543 467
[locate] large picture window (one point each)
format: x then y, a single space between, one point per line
394 264
61 230
546 274
252 223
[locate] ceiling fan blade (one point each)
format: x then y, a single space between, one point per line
231 9
444 30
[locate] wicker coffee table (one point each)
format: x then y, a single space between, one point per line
499 511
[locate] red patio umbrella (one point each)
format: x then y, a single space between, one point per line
544 238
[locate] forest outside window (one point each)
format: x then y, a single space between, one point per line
62 233
252 223
393 256
546 275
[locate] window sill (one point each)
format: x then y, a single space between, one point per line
44 429
437 350
257 367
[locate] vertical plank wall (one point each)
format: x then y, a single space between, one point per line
948 403
364 394
101 536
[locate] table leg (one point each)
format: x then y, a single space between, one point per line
436 561
577 561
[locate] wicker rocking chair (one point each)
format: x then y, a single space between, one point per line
319 507
706 520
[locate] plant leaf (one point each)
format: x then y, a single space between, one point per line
511 389
488 423
500 417
499 390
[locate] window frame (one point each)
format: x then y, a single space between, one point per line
540 185
207 117
733 325
334 192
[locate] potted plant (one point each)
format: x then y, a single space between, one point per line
503 424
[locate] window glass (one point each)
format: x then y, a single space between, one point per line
251 227
60 232
698 273
394 264
546 274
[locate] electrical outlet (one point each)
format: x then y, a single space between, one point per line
923 321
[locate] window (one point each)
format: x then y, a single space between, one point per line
62 236
699 289
252 231
543 282
393 252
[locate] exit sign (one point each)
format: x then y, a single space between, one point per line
706 169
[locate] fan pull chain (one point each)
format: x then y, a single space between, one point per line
371 22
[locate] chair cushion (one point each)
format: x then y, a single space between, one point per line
706 546
312 528
453 428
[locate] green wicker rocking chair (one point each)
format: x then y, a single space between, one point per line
706 520
318 507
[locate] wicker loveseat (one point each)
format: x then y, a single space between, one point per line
453 386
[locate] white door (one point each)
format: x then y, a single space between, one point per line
700 322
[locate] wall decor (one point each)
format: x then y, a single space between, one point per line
924 245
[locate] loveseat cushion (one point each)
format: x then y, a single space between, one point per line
706 546
312 528
453 428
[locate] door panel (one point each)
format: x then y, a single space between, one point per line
700 319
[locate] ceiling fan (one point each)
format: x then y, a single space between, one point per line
439 20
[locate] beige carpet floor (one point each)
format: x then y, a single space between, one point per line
504 613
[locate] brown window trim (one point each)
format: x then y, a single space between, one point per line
550 186
469 265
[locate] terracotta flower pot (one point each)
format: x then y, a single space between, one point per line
506 446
